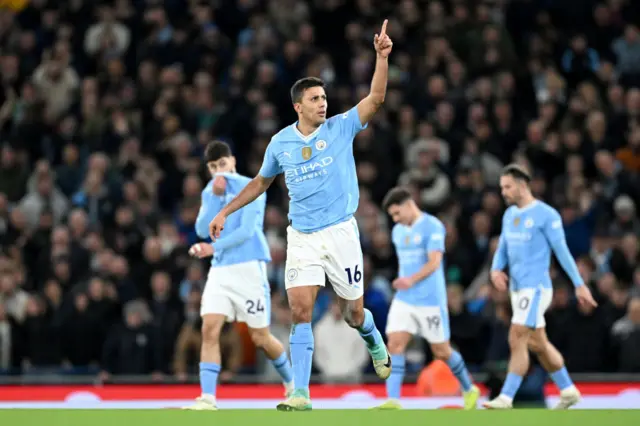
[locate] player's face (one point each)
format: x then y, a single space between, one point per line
511 189
313 106
401 213
222 165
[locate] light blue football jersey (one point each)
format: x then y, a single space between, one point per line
528 237
319 170
243 239
413 244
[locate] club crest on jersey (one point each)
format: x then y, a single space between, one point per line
528 223
321 145
306 153
417 239
516 221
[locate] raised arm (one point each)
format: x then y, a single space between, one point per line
372 103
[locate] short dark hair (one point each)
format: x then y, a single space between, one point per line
298 88
216 150
396 196
516 171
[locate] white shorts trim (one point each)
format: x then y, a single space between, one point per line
429 322
241 292
529 306
334 251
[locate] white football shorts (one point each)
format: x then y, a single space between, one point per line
429 322
334 251
240 292
529 306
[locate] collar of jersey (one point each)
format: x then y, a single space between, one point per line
309 136
525 208
418 220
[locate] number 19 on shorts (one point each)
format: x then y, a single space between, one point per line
353 275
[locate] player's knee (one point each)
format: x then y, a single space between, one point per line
301 314
396 347
441 351
518 338
537 345
210 333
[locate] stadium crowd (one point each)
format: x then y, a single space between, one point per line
106 106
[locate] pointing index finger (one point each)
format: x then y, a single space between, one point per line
384 28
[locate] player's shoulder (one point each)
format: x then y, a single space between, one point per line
509 212
432 222
396 231
545 210
286 133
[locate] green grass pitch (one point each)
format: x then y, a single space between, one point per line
319 418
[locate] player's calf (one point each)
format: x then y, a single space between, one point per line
362 320
209 361
272 347
301 342
456 364
397 344
552 361
518 366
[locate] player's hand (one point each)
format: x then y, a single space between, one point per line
500 280
201 250
402 283
219 185
216 226
585 297
381 42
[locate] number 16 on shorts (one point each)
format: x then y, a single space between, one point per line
353 275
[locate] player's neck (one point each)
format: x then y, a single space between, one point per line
305 129
417 213
526 201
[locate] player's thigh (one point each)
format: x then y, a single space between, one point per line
529 306
397 341
343 260
304 260
216 296
401 319
433 322
252 295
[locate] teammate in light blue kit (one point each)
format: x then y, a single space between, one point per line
237 287
531 229
420 304
316 157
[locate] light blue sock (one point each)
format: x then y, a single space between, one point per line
283 366
301 345
511 385
370 333
209 377
459 369
561 378
394 382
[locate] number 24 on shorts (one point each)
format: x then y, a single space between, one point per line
254 307
354 277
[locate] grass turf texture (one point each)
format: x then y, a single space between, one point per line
170 417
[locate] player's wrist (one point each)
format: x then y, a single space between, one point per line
381 57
